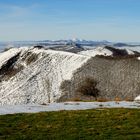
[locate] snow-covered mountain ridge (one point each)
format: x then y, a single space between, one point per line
35 75
38 81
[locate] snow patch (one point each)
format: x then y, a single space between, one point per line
34 108
137 98
97 51
130 52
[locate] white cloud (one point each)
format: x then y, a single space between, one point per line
15 11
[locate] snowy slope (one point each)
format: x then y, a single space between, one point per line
33 75
136 48
97 51
137 98
108 51
39 81
4 57
130 52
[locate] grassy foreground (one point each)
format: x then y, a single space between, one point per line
100 124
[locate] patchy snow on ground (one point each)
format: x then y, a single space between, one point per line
137 99
34 108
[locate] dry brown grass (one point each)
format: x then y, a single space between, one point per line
129 99
117 99
102 100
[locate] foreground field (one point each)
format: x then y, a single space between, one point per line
94 124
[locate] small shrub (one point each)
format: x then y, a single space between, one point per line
117 99
129 99
89 88
102 100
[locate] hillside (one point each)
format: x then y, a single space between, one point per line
36 75
32 75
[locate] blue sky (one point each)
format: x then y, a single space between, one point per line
113 20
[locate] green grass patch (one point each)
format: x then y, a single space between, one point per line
99 124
